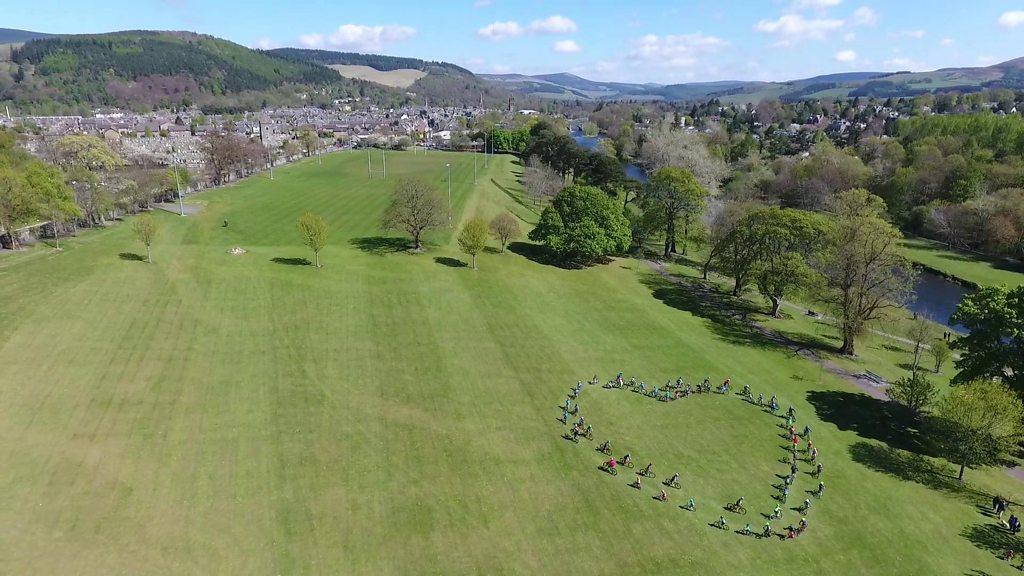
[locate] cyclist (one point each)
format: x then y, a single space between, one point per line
820 490
767 531
817 470
663 496
722 523
777 513
606 447
674 480
738 505
806 506
626 460
647 470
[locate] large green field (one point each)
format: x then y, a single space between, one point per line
394 413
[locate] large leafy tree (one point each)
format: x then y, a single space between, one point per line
785 241
676 196
30 190
90 152
978 424
55 200
582 225
865 272
994 347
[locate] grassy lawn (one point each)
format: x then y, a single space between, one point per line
962 265
395 413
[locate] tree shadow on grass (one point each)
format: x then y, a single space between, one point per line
816 342
912 467
131 257
541 255
869 418
517 198
992 538
291 261
450 262
380 245
727 317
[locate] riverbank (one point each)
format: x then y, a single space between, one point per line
968 270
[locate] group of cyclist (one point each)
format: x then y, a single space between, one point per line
680 389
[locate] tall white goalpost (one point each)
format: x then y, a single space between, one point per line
370 171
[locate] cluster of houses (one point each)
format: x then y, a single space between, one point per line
178 137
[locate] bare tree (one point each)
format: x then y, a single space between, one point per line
224 152
415 207
719 220
505 228
674 148
540 180
919 332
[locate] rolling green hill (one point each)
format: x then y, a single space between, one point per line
146 69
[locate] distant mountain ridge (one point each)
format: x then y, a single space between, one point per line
566 86
14 36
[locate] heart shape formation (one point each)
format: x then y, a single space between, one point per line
579 430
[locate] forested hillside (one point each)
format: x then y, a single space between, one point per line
444 84
143 70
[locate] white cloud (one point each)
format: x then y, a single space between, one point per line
1012 19
265 44
793 28
819 4
481 3
566 46
359 37
947 42
501 30
864 16
312 40
849 36
901 63
553 25
500 68
846 56
675 51
986 60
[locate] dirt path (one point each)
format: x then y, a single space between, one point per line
831 367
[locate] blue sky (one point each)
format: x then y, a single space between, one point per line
635 41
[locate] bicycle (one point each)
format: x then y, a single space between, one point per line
740 509
673 483
627 463
647 472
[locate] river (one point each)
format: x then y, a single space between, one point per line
935 297
633 171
